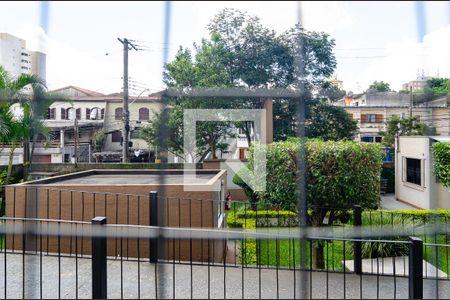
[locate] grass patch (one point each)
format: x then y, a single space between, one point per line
286 253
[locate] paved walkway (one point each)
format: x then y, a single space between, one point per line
388 202
270 283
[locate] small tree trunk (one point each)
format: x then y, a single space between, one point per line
318 255
10 165
213 150
33 146
247 134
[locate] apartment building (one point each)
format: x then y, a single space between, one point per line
419 83
371 110
17 60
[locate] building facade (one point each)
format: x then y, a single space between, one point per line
415 182
74 120
371 110
17 60
418 84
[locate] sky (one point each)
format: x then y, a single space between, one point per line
374 40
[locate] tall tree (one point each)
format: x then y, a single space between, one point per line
396 126
241 52
329 92
330 123
379 86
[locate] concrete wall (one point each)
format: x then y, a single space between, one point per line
418 148
237 193
121 204
386 99
441 120
65 168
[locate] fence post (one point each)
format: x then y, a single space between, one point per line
99 284
153 199
415 268
357 259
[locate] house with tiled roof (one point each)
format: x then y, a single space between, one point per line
74 120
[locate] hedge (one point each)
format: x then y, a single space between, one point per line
339 174
441 153
247 221
262 218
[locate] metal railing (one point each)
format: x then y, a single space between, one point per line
51 248
33 273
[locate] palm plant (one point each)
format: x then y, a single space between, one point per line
34 104
17 130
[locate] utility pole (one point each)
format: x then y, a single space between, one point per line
126 114
75 139
411 100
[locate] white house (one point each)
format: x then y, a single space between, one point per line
415 182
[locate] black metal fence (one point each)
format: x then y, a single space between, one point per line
46 257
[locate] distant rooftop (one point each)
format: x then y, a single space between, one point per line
86 92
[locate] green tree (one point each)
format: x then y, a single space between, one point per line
380 86
329 122
329 92
339 175
439 85
242 52
99 140
396 126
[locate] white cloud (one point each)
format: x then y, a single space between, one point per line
328 16
67 65
404 58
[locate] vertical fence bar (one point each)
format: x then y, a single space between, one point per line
153 222
99 284
357 249
415 268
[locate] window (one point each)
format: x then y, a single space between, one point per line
102 114
378 139
78 113
70 113
371 118
63 114
93 114
118 113
367 139
51 114
143 114
116 136
413 171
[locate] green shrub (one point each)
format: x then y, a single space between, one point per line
380 249
340 174
262 218
252 197
441 152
